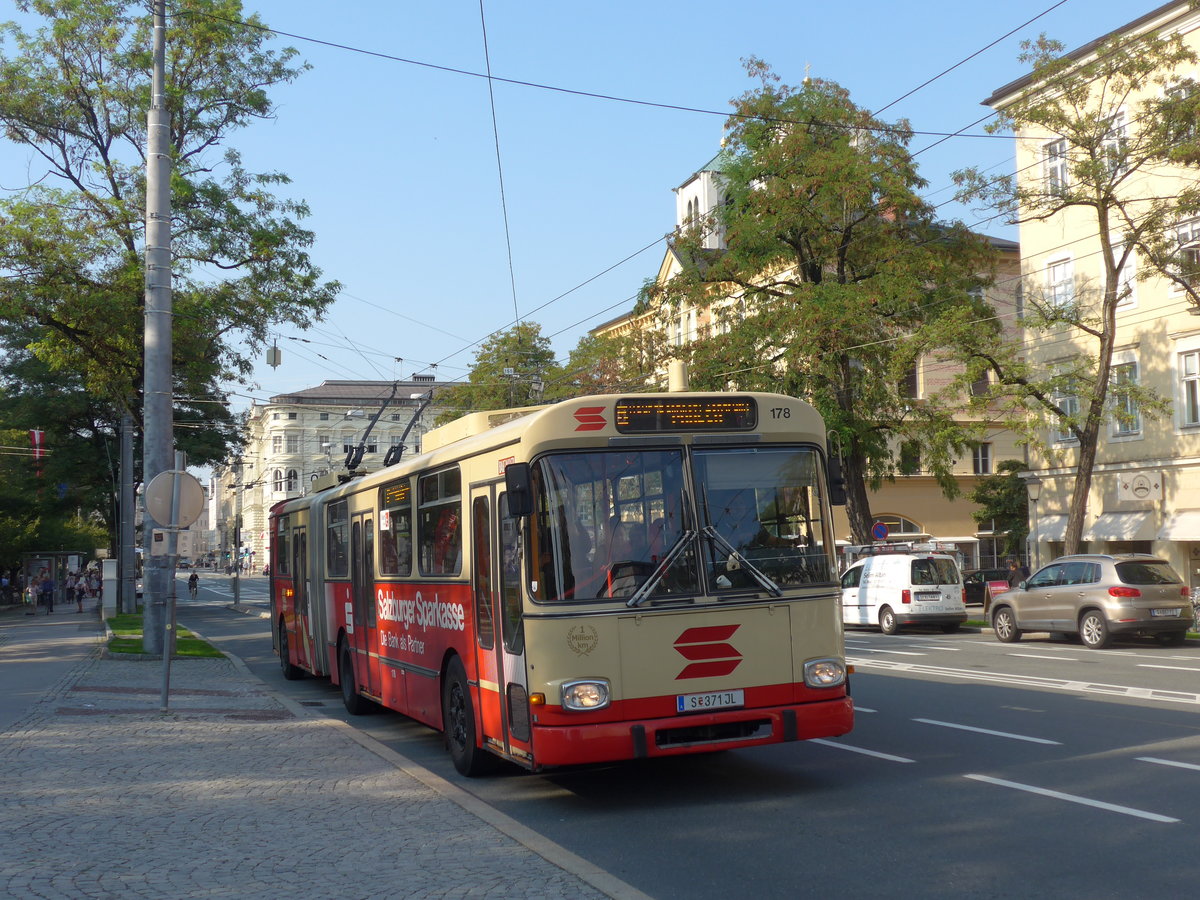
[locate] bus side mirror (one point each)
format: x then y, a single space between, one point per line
520 492
837 484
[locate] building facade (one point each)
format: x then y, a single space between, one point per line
1145 490
294 439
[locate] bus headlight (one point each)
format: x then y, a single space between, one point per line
821 673
585 694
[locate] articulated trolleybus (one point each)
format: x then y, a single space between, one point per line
608 578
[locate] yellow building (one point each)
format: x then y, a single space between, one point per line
1145 492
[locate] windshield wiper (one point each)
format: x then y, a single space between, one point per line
648 586
754 571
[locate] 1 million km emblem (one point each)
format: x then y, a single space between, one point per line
582 639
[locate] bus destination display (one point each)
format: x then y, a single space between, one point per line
655 415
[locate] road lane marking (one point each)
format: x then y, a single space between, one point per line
896 652
864 709
863 750
1172 668
1038 656
1003 734
1168 762
1054 684
1073 798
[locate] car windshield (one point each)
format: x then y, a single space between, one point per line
1147 571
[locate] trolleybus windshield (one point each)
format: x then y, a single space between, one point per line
690 521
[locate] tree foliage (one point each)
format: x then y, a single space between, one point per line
508 368
1002 499
1122 113
837 278
74 93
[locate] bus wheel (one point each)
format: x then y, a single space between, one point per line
458 719
290 671
356 704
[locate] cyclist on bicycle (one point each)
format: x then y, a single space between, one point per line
193 585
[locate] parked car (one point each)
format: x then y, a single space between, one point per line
975 583
1096 596
896 589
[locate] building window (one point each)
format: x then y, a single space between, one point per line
1188 257
1189 375
1127 415
898 525
1060 285
1068 403
293 443
292 415
278 480
293 480
910 458
274 417
1182 123
910 387
277 443
1115 146
981 385
324 417
1127 283
1057 171
981 459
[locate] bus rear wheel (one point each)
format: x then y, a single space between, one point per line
458 720
290 671
356 704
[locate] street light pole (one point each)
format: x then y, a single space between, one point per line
1033 486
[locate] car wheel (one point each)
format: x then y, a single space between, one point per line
458 720
887 621
1171 638
1093 630
290 671
356 704
1004 624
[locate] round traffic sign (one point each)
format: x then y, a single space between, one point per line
161 489
880 531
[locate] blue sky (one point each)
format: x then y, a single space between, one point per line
398 161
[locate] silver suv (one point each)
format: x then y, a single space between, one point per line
1097 595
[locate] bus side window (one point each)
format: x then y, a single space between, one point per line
440 531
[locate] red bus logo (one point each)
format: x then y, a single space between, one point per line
590 418
707 652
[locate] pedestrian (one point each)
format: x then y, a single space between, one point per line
80 590
46 588
1014 573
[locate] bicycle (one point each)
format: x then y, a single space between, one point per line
193 589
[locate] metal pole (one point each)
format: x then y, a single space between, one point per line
158 440
172 553
1037 553
236 555
126 599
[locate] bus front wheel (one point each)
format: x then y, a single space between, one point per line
458 720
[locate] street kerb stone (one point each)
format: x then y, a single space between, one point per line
232 792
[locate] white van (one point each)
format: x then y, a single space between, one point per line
895 589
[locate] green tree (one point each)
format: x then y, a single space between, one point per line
74 93
837 279
1002 500
508 368
1109 141
606 364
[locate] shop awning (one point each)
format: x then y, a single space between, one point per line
1051 528
1181 525
1121 526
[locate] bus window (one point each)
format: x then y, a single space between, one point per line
395 529
510 579
335 540
604 521
439 523
764 503
480 539
280 548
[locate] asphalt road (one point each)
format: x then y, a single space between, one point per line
976 769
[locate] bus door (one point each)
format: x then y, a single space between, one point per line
500 653
362 598
300 597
